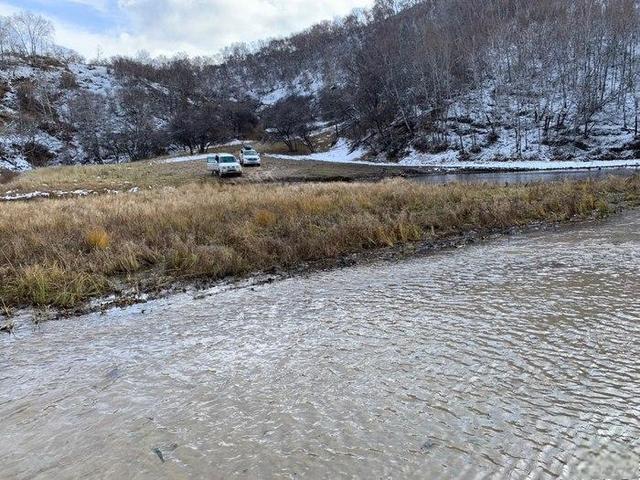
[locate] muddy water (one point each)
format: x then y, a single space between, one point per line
518 178
513 359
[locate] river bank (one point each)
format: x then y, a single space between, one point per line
200 288
64 253
114 179
513 358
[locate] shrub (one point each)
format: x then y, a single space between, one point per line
428 145
4 89
28 101
7 175
68 81
37 154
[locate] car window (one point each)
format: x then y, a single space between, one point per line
227 160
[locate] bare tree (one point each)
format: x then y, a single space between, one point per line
291 121
200 126
90 115
31 34
5 37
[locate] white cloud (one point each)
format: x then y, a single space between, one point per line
87 43
6 10
197 27
100 5
205 26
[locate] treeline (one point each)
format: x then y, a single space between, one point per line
430 75
181 103
542 69
444 70
156 108
193 103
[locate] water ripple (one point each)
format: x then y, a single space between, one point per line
512 359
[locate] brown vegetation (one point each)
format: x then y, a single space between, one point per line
156 174
7 175
63 252
68 81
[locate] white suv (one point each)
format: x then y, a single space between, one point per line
223 164
248 156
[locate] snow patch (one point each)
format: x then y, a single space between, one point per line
10 196
449 160
341 152
24 196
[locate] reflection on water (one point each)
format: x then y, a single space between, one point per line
510 178
513 359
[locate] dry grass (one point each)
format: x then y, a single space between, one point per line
120 177
98 239
156 174
63 252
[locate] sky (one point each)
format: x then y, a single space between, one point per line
167 27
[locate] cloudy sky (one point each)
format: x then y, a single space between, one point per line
197 27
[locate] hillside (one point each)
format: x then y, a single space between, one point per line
419 83
34 111
457 82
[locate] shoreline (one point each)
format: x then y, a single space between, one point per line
73 254
201 288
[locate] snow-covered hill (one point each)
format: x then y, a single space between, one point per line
35 127
452 83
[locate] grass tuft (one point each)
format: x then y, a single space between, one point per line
98 239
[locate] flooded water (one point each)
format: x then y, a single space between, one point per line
517 178
517 358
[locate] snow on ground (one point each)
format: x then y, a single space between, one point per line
448 160
24 196
186 158
303 84
11 196
94 78
339 153
17 164
275 96
202 156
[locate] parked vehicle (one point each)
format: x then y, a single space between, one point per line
223 164
248 156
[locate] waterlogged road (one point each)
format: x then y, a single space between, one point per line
513 359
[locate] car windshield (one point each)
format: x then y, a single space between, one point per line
227 160
251 153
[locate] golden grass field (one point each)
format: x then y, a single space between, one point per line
63 252
157 174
